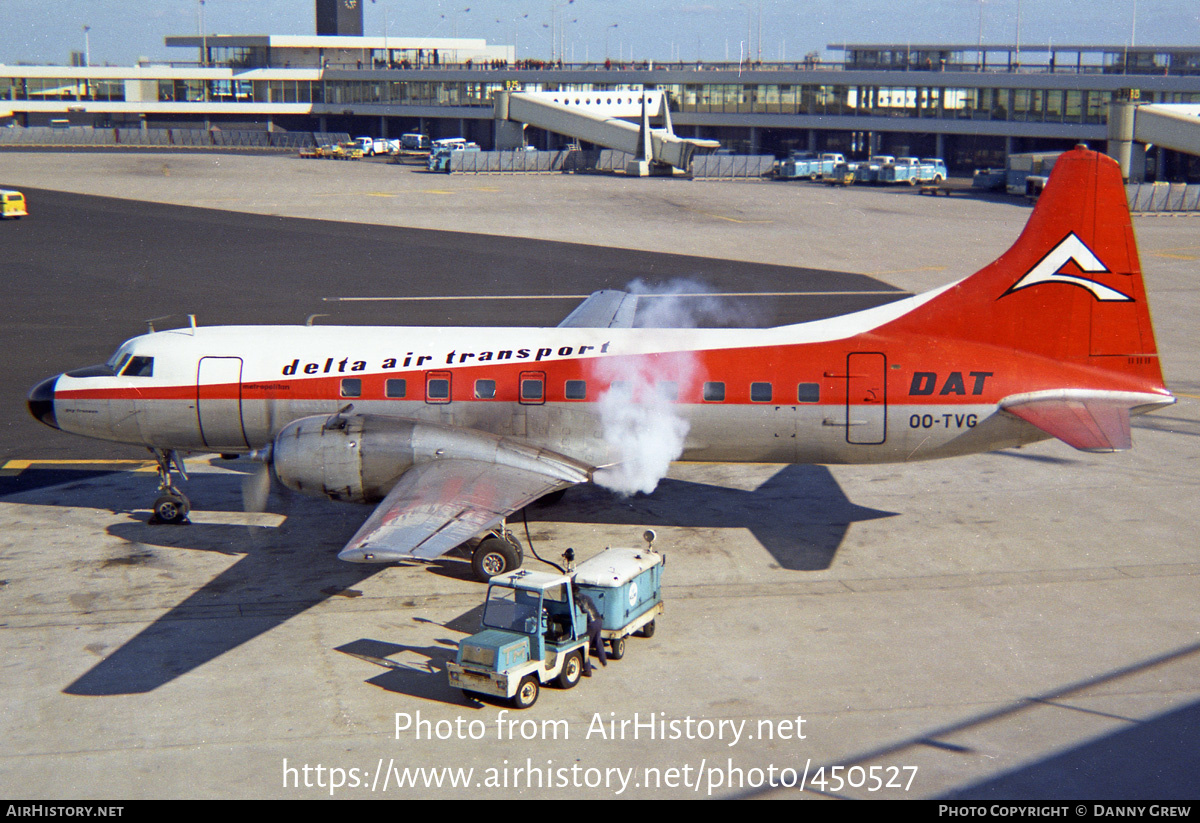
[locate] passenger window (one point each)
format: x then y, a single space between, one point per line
669 390
437 388
139 367
396 387
351 387
576 390
808 393
714 392
485 389
760 392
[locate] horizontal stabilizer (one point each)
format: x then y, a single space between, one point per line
1094 421
606 309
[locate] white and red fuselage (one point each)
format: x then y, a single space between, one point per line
1053 339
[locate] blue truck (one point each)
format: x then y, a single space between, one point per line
535 634
914 170
808 165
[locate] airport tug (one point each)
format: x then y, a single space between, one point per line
534 632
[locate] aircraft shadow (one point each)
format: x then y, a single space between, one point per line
800 515
280 574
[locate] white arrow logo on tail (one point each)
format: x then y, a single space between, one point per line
1048 270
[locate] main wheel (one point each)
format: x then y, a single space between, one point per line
527 693
494 556
171 508
647 630
572 671
616 648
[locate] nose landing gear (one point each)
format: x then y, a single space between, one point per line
172 505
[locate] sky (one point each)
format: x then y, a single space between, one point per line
123 31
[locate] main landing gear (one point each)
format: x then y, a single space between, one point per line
172 506
497 553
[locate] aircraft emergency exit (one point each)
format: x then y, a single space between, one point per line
454 429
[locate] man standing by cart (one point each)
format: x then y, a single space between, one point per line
588 607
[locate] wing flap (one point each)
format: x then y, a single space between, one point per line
605 309
1091 421
441 504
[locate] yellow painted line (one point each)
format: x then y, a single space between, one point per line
381 194
485 188
1173 256
1181 394
11 468
730 219
436 191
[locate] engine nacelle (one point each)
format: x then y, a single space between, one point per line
359 457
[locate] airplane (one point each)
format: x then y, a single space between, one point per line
452 430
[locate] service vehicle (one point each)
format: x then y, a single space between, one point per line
913 170
988 179
415 142
868 170
1021 167
843 175
439 159
535 633
12 204
808 164
350 150
372 146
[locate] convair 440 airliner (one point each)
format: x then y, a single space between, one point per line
454 429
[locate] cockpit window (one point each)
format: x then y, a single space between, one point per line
139 367
117 361
109 369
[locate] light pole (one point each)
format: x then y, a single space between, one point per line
606 33
203 36
87 47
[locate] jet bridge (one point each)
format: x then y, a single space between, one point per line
599 118
1132 126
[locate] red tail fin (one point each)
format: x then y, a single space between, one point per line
1070 288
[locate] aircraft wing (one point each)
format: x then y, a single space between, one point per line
441 504
605 309
1091 421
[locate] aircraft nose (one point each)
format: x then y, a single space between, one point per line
41 402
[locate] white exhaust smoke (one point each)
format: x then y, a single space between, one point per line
641 423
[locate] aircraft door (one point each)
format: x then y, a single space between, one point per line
219 402
866 398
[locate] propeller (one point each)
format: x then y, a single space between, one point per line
256 486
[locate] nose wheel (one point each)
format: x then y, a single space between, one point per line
172 506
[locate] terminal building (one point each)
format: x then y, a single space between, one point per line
969 104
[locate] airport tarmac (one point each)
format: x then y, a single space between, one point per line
1021 624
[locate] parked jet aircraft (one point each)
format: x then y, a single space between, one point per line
454 429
